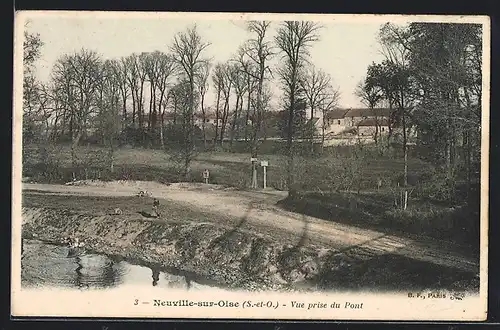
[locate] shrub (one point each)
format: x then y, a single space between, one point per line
437 186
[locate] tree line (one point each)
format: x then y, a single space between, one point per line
430 79
85 91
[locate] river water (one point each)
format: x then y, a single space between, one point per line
48 265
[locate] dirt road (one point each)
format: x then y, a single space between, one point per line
256 211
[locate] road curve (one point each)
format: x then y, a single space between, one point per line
261 214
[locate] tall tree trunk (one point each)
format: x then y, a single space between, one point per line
124 105
238 123
204 120
290 167
189 128
217 112
405 155
248 110
74 144
134 111
141 105
162 140
311 133
161 110
155 112
323 129
258 113
390 123
111 155
225 114
233 123
176 104
151 108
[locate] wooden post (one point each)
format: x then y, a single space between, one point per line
264 165
265 179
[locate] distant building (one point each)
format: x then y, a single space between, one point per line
368 127
354 116
335 121
355 123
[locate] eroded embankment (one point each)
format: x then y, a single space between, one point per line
233 258
229 257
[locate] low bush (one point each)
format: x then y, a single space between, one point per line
376 211
459 224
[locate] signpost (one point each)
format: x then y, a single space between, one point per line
254 172
206 175
264 165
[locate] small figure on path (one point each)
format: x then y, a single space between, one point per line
206 175
156 204
156 276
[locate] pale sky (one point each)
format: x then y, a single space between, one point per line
344 51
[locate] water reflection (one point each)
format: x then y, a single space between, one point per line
156 276
49 265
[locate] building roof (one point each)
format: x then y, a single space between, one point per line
367 112
373 122
336 114
314 121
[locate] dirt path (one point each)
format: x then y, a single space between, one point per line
256 211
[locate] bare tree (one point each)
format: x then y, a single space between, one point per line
314 83
141 69
247 68
151 70
227 84
218 80
371 96
240 87
165 70
109 94
32 45
132 75
202 85
294 40
120 69
328 101
78 77
259 51
187 50
395 46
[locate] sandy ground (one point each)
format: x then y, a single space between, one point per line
256 211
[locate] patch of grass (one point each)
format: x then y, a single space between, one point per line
393 272
375 210
53 165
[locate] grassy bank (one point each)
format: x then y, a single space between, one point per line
457 224
321 181
52 164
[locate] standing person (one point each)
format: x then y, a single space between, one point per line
156 204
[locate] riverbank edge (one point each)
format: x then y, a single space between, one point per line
233 259
229 258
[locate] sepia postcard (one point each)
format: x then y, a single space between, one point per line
250 166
